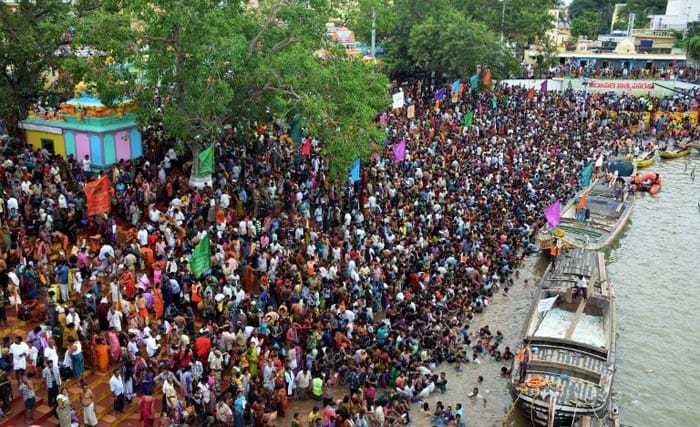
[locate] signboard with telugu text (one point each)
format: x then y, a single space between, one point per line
656 88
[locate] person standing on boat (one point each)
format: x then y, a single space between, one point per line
582 287
554 252
524 358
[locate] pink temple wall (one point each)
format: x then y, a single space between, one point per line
122 145
82 145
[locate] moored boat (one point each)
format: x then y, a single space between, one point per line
645 160
571 336
596 215
674 154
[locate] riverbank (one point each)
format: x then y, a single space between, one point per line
505 314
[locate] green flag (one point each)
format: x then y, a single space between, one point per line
586 175
200 260
469 119
295 131
494 102
206 161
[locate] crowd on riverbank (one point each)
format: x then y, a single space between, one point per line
371 284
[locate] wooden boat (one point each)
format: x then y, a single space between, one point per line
695 145
674 154
645 160
607 209
572 338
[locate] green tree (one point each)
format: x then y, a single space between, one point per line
590 17
694 48
642 9
522 21
29 36
218 63
454 43
587 24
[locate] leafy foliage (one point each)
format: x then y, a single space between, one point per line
217 63
590 17
642 8
437 40
28 38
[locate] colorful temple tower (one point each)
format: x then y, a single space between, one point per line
85 126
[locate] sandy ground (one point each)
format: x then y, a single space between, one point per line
506 314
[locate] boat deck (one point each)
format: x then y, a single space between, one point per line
570 265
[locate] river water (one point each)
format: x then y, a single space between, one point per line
654 269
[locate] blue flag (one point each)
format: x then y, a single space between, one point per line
355 171
586 175
474 81
455 86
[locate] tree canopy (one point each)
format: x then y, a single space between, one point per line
445 32
212 63
28 38
590 17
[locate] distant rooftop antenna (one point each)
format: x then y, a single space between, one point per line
630 23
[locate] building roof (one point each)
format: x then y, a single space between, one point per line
635 56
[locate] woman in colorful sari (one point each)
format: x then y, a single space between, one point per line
101 354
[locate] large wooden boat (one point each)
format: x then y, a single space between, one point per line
608 207
645 160
571 336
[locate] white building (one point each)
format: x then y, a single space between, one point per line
679 13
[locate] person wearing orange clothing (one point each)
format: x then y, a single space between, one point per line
128 284
158 307
101 354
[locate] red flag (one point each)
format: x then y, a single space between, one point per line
306 148
531 93
97 195
486 80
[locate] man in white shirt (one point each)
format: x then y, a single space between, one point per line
87 166
116 386
106 255
19 351
152 347
142 236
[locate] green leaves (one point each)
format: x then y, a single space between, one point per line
216 63
455 44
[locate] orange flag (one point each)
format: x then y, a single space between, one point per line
486 80
531 93
97 194
582 202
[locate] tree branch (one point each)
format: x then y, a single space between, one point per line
284 43
268 22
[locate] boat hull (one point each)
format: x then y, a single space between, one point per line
674 154
572 340
645 160
608 218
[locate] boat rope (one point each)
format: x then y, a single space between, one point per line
573 418
512 407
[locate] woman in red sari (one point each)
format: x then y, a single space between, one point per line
147 408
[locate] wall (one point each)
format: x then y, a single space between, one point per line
34 139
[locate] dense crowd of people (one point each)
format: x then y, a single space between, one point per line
369 285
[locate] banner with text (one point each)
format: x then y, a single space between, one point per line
657 88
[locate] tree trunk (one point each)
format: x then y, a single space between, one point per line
197 181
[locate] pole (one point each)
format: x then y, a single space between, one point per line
503 18
374 35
